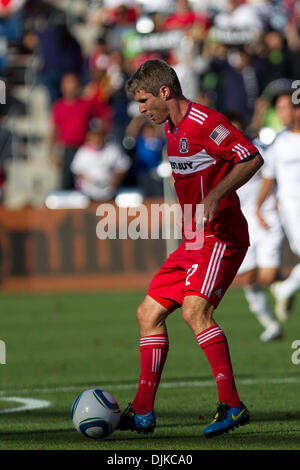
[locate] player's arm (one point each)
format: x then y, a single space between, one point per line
237 177
267 182
266 188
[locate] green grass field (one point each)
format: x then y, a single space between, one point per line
60 344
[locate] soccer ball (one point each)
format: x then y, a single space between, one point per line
95 413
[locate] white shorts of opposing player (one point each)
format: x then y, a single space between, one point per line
265 245
264 252
289 211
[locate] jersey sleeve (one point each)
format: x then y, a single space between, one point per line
225 141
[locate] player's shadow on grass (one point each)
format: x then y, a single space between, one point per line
184 418
278 438
231 441
264 416
42 432
275 439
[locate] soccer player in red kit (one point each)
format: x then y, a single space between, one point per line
210 159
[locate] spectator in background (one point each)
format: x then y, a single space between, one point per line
239 14
118 99
5 154
71 115
60 53
98 87
98 55
2 182
274 57
236 81
11 27
108 75
6 147
117 18
183 17
149 144
8 7
293 46
275 113
11 17
242 62
99 165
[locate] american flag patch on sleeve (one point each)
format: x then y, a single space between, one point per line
219 134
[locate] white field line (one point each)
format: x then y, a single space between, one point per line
133 386
28 404
33 404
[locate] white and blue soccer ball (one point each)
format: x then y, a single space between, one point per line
95 413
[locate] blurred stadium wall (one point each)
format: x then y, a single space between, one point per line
49 250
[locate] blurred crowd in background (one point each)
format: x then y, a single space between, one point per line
239 57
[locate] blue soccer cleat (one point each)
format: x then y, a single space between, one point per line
226 419
130 420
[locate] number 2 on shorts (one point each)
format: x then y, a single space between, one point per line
190 272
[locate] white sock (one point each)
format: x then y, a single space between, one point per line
259 304
291 284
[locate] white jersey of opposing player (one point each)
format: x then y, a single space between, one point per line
283 164
248 192
265 245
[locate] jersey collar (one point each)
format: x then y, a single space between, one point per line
172 127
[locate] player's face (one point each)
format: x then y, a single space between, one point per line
284 109
154 107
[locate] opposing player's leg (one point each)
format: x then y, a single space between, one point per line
154 345
258 302
283 291
260 307
259 269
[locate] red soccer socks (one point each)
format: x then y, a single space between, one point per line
215 346
153 353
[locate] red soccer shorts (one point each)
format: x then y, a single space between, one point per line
207 272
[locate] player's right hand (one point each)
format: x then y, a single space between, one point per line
261 220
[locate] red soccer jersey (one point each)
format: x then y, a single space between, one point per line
202 149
